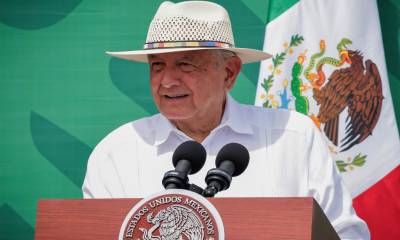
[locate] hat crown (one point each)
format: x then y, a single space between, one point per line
192 21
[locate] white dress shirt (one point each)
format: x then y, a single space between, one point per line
288 158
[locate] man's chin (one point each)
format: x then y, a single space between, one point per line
177 116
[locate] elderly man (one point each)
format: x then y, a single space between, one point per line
193 65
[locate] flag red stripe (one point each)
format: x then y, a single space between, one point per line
379 206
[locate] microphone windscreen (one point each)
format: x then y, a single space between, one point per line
193 152
236 153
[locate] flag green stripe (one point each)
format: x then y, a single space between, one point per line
277 7
389 13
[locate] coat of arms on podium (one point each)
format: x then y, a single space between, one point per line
173 215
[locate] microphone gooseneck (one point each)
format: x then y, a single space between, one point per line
231 161
188 158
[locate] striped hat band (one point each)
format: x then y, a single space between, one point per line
187 44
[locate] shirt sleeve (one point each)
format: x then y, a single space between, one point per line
101 180
329 191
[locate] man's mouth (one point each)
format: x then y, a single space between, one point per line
175 96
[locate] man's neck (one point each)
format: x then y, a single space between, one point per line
198 129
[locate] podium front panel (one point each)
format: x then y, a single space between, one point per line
243 218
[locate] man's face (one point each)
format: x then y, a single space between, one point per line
189 85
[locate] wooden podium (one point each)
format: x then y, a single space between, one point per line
243 218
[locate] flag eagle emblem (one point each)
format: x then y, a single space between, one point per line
354 87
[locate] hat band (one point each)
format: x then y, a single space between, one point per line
188 44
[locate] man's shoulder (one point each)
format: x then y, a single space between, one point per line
133 131
276 119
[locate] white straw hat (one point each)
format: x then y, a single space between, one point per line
188 26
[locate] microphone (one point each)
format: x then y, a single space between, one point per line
188 158
231 161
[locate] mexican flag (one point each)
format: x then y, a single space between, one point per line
329 64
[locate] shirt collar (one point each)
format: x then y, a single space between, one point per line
163 129
233 118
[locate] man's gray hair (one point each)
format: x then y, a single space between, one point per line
222 55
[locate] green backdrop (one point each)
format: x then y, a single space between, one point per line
60 93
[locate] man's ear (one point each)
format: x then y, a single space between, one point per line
233 66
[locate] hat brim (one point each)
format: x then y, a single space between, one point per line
247 55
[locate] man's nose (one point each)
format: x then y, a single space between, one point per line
171 77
